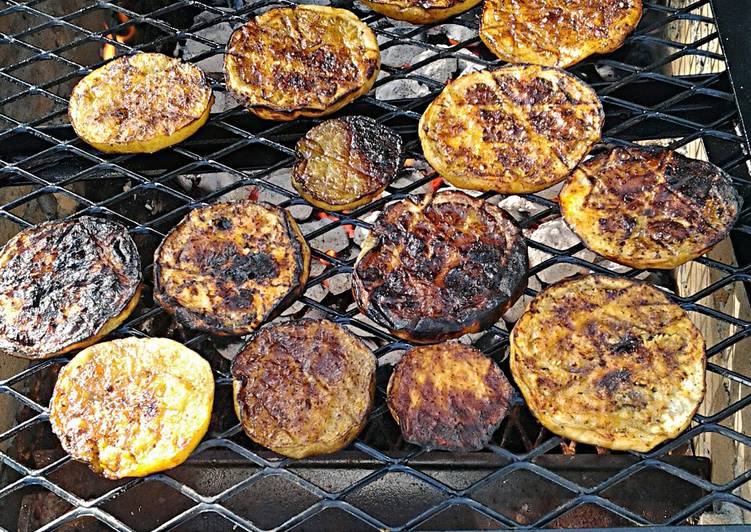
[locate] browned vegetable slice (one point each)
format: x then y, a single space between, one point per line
140 104
346 162
227 268
438 267
303 61
132 407
304 388
65 285
420 11
448 396
609 362
513 130
556 32
649 208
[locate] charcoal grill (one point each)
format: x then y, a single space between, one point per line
670 84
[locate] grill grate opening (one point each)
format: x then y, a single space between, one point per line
669 84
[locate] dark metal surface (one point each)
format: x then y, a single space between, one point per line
521 479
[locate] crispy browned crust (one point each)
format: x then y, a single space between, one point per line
609 362
438 267
64 283
556 32
517 129
139 100
420 11
227 268
304 388
346 162
448 396
649 208
303 61
133 406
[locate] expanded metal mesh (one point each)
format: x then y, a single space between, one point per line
526 477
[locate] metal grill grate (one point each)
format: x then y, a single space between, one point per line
522 478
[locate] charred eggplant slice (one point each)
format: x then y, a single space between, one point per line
420 11
513 130
609 362
303 61
346 162
66 284
227 268
440 266
649 208
448 396
140 104
556 32
304 388
132 407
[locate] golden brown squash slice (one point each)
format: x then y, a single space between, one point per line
609 362
556 32
514 130
304 388
132 407
140 104
346 162
227 268
66 284
448 396
438 267
303 61
420 11
649 208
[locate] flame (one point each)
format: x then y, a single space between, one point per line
108 50
331 253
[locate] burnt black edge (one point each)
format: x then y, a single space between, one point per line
733 20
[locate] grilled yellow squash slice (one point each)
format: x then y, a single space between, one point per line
346 162
649 208
513 130
440 266
132 407
227 268
556 32
66 284
420 11
448 396
140 104
303 61
304 388
609 362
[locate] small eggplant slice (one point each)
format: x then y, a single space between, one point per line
229 267
346 162
304 388
448 396
440 266
649 208
66 284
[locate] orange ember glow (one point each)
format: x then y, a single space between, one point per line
436 183
326 264
108 50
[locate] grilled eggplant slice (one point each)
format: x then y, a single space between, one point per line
132 407
304 388
514 130
64 285
227 268
649 208
448 396
556 32
420 11
303 61
609 362
440 266
346 162
140 104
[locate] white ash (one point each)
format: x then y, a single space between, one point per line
230 349
455 32
518 206
606 72
316 292
513 314
400 89
550 193
391 358
557 235
401 55
218 34
362 318
283 179
440 70
473 193
361 233
339 283
335 238
224 101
